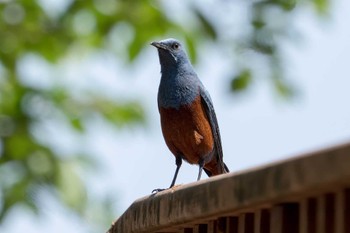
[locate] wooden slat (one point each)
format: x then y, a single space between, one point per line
195 229
276 220
203 228
232 223
264 221
311 215
241 220
340 210
347 211
303 217
329 213
249 223
257 221
321 208
211 227
285 218
246 223
221 225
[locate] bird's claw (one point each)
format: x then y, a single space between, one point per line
157 190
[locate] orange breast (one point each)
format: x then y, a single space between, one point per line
187 131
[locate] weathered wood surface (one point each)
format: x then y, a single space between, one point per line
277 193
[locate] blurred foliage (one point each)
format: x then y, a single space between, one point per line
28 164
271 25
241 81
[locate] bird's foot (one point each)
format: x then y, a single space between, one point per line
154 191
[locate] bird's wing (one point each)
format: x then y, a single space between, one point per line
209 110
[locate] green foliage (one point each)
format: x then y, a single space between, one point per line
241 81
206 23
271 24
28 165
321 6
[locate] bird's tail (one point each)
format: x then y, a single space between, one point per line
216 169
226 168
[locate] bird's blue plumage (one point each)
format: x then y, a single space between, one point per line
177 88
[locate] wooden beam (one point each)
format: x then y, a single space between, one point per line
234 193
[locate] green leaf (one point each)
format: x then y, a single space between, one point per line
241 81
206 24
20 145
321 6
191 49
135 48
14 195
288 5
263 42
123 114
77 124
258 23
283 89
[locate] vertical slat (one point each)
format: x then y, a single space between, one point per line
211 227
232 223
339 211
202 228
241 220
246 223
276 219
303 217
265 221
221 225
312 208
347 211
196 229
249 223
313 214
257 221
330 212
321 208
285 218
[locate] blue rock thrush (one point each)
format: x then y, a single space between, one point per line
187 115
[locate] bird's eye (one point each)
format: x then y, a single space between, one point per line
176 46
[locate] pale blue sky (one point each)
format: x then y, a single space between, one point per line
256 129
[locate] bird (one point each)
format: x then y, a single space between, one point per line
188 120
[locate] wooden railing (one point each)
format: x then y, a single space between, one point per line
306 194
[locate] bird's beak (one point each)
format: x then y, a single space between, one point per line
159 45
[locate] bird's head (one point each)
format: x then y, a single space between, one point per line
171 52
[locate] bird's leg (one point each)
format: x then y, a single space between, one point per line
178 165
201 165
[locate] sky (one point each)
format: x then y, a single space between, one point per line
256 128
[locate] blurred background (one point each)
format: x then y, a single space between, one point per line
80 137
